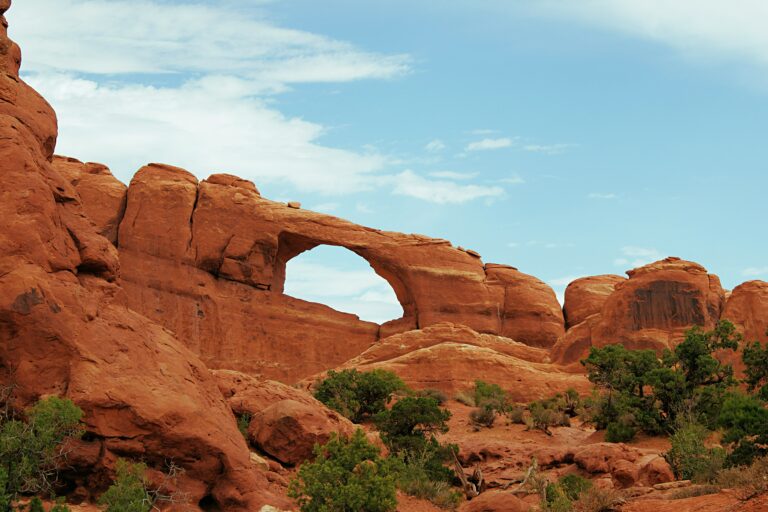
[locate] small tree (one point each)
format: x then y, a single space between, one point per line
755 358
358 395
745 420
30 450
347 475
129 492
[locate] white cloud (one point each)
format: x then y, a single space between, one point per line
190 84
363 208
435 145
565 280
598 195
143 36
451 175
637 256
410 184
489 144
694 27
326 207
515 179
358 290
207 125
549 149
755 271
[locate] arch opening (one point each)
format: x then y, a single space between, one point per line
343 280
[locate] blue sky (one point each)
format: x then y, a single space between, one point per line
564 137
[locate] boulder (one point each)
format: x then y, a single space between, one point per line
288 430
585 297
496 501
451 357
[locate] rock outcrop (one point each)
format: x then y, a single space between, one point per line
198 257
62 330
586 296
451 357
652 309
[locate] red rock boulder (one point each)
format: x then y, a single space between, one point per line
288 430
585 297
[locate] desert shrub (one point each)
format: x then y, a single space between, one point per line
346 475
516 414
434 393
545 414
555 499
36 505
128 493
755 358
574 485
690 458
408 429
491 396
693 491
243 421
745 420
30 450
652 391
484 416
415 480
619 432
595 499
748 481
465 398
358 395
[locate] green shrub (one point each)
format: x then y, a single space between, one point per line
434 393
128 493
416 480
408 429
544 414
689 457
574 485
745 420
36 505
619 432
490 396
465 398
755 359
243 422
516 414
30 450
556 499
358 395
749 480
484 416
346 475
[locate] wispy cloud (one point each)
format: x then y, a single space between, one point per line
599 195
637 256
755 271
326 207
191 84
549 149
451 175
408 183
489 144
514 179
355 290
435 146
696 28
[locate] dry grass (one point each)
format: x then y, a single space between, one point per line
747 481
599 500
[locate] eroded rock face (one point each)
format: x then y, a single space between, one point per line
201 257
658 303
585 297
451 357
747 308
288 430
63 332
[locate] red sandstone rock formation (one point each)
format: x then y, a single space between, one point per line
451 357
651 309
200 257
747 308
61 330
585 297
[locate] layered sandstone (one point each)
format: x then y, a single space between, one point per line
586 296
144 394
